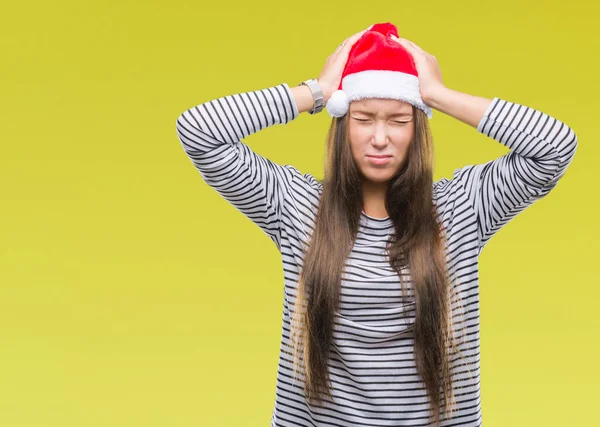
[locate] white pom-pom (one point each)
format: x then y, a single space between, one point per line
338 104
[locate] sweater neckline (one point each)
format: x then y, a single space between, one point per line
372 217
375 222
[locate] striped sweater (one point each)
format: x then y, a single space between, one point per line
371 362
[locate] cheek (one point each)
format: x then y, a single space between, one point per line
399 135
357 133
404 133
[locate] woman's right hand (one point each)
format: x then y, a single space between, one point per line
331 75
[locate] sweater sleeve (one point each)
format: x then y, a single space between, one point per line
211 135
541 149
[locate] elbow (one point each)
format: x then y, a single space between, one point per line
570 146
193 140
567 148
184 133
182 122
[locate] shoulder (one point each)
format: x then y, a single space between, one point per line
303 182
449 192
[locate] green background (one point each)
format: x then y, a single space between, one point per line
132 294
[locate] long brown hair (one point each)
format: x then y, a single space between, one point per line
417 244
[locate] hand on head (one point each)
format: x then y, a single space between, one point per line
430 75
331 75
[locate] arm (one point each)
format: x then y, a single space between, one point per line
303 97
211 135
467 108
541 149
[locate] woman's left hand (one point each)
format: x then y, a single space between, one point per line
430 75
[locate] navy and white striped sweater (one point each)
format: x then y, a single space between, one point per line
371 364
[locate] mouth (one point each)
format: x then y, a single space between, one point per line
379 160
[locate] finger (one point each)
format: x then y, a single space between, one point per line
414 45
407 45
342 44
349 42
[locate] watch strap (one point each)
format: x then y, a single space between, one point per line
317 93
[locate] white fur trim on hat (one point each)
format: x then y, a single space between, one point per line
376 84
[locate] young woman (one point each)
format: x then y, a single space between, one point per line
381 304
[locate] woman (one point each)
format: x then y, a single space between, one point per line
381 306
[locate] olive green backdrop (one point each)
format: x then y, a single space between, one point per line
132 294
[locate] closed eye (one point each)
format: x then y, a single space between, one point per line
367 120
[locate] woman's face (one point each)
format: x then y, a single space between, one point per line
380 127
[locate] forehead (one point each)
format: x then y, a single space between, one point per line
381 106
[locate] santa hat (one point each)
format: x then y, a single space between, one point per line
377 67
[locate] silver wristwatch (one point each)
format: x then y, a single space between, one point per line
317 93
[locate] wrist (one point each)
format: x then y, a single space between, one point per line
436 97
327 91
303 98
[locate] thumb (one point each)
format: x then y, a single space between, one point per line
350 41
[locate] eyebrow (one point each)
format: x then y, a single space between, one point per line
367 113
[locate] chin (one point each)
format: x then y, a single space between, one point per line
381 177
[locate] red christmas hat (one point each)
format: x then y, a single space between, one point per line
377 67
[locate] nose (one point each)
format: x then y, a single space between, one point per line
380 135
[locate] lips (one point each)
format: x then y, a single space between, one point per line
379 160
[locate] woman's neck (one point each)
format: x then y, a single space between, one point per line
374 194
